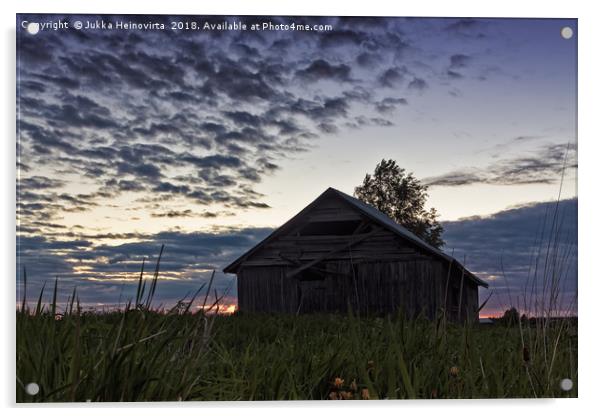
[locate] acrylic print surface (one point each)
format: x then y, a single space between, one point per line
216 208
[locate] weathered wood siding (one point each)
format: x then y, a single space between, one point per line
416 286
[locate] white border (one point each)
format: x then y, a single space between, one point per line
590 231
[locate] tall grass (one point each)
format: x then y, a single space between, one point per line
140 354
542 295
136 353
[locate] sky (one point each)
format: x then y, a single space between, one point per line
206 140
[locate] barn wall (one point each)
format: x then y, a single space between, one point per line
368 287
463 298
472 302
266 289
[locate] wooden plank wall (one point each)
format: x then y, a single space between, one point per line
416 286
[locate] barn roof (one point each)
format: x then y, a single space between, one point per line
370 212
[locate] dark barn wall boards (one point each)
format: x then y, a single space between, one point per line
339 252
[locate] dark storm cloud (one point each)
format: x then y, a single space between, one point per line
125 185
243 117
367 59
418 84
328 128
156 129
383 122
321 69
521 248
462 24
467 28
41 199
78 111
526 138
214 161
22 167
144 170
36 52
458 61
80 201
392 77
188 257
187 213
545 167
170 188
64 82
319 110
40 182
44 141
338 38
130 73
454 75
359 94
457 178
387 105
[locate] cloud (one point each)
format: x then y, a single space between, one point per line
418 84
167 187
323 70
545 167
521 248
239 83
456 62
367 59
387 105
454 75
188 260
40 182
462 24
144 170
187 213
526 138
392 77
467 28
125 185
243 118
459 60
338 38
336 107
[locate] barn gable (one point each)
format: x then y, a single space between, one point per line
338 227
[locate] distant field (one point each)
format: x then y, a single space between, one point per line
142 355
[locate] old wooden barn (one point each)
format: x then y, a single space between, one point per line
339 251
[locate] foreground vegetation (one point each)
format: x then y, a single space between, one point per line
143 355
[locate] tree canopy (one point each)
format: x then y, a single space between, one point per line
402 197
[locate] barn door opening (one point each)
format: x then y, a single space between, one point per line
311 292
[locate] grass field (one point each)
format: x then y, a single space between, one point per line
143 355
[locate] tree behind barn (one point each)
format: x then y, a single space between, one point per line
402 197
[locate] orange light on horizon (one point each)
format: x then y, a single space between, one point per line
223 309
